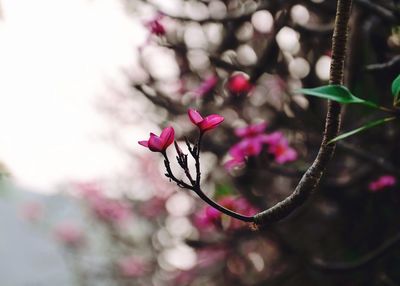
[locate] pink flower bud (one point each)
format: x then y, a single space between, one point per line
239 84
159 143
382 183
207 123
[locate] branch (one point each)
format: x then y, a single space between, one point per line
392 64
376 160
312 176
382 12
365 260
162 101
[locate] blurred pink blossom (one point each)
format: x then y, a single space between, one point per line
382 183
69 234
245 148
106 209
109 210
132 266
282 152
252 144
206 86
155 26
251 130
31 211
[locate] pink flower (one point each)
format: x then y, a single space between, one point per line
239 84
240 151
159 143
206 86
281 150
207 123
207 218
69 234
155 27
110 210
132 267
251 130
31 211
105 209
274 138
382 183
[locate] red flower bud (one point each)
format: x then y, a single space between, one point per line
239 84
159 143
207 123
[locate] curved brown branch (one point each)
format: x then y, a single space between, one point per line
312 176
361 262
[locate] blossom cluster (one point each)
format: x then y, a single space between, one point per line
161 143
253 139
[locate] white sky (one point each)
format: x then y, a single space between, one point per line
55 58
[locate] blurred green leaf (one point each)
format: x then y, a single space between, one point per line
362 128
396 86
223 190
337 93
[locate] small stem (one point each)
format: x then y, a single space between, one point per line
204 197
180 183
197 160
222 209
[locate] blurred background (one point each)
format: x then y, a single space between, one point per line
82 203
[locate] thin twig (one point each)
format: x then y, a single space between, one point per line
392 64
369 156
365 260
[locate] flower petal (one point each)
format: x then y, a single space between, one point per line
167 137
155 143
195 116
144 143
210 122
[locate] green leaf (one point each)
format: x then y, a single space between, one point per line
222 190
396 86
362 128
337 93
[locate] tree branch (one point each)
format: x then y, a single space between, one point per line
312 176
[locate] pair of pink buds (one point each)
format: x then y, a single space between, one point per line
161 143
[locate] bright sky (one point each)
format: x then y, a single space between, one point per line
55 59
